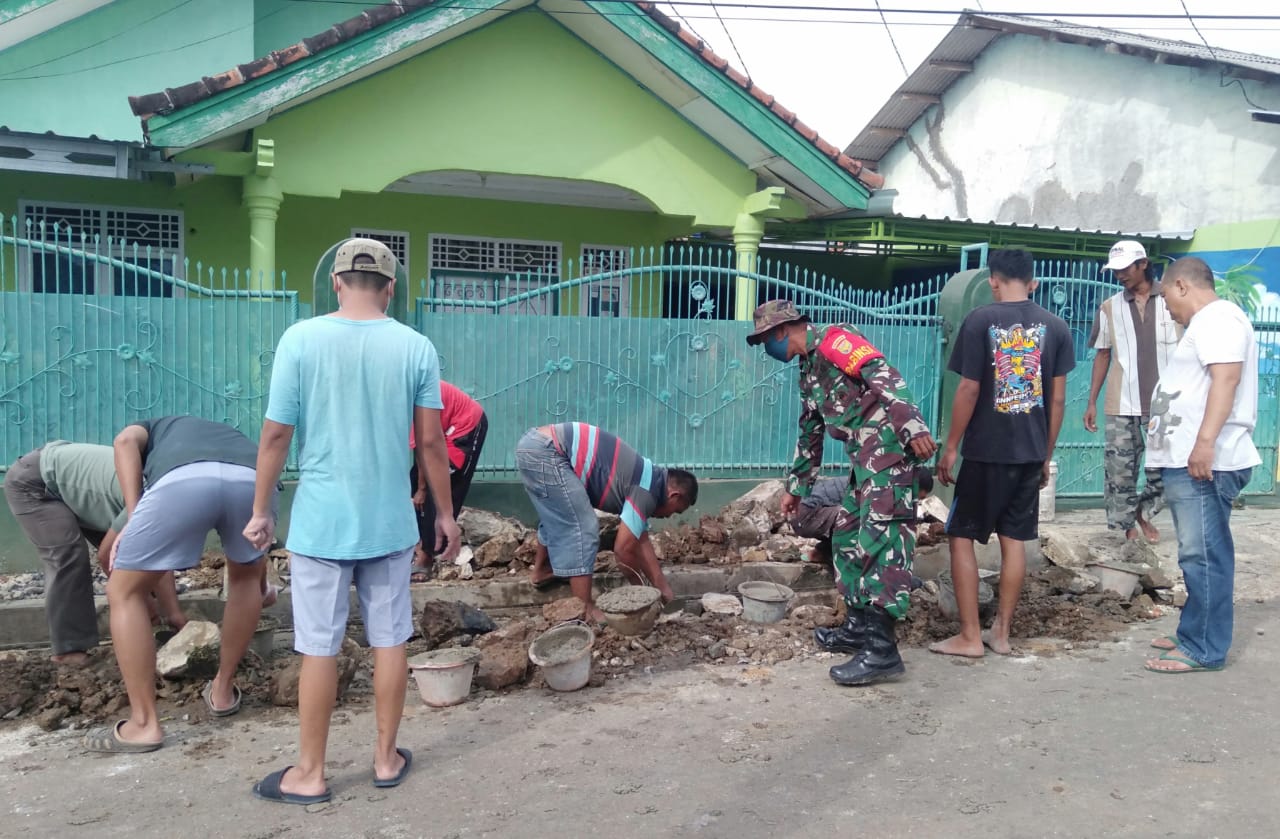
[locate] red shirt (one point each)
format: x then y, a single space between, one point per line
459 417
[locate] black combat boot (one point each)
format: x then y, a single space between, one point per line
879 659
848 637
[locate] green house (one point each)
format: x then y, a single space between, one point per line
477 138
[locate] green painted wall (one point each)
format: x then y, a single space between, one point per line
75 80
520 96
308 226
216 227
1261 233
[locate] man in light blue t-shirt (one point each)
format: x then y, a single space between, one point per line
350 384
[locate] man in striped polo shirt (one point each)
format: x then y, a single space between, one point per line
572 469
1134 336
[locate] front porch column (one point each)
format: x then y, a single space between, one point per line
262 198
748 230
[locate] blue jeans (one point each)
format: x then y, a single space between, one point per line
1202 517
567 522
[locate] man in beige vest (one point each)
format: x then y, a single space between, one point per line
1134 336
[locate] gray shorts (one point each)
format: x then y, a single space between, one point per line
321 593
168 528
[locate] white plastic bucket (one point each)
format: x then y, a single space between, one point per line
564 654
444 676
1048 495
765 602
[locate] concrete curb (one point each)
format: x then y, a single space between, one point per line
23 624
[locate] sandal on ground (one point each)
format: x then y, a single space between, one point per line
233 708
1168 643
1190 665
547 583
109 740
268 789
384 783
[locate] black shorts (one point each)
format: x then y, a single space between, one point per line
1000 498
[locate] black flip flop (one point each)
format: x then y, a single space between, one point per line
268 789
384 783
548 583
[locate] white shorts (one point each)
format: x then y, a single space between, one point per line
321 594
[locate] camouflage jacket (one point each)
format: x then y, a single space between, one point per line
848 389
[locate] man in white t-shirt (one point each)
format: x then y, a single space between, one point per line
1200 437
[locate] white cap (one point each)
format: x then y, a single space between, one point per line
1123 254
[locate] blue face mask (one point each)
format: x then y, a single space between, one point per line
776 348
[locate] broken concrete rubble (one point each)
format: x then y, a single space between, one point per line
441 620
195 644
480 526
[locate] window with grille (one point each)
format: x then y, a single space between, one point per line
140 238
396 240
609 296
466 268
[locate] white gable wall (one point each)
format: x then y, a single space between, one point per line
1073 136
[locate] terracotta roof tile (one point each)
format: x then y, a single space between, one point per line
172 99
761 97
690 40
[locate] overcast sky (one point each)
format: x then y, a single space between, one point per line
835 69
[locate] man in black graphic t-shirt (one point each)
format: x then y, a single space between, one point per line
1013 358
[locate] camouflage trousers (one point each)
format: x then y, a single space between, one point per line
874 539
1126 448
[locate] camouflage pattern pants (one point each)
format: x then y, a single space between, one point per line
874 539
1126 448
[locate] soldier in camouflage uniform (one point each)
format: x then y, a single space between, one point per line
849 390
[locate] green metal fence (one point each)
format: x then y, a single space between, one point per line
97 332
648 349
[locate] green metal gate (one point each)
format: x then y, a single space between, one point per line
96 333
671 374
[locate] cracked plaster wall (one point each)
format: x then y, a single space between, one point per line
1072 136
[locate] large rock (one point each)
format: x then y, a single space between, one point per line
504 655
284 681
195 644
1062 550
499 551
1070 580
744 534
479 526
712 531
567 609
761 507
441 620
502 665
783 547
1112 549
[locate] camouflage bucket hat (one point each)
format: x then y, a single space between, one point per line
770 314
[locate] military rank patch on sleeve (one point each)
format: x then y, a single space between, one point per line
847 350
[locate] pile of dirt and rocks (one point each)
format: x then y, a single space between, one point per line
36 690
749 529
33 689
